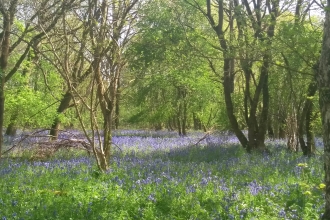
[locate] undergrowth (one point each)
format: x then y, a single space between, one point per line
211 180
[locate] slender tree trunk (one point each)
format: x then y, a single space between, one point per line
117 111
227 84
197 122
117 107
158 126
305 122
281 130
107 139
263 122
11 129
184 119
292 131
182 111
270 129
2 110
64 105
169 124
309 133
323 79
179 125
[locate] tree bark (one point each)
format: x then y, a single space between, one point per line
229 104
256 121
270 129
8 19
281 129
182 110
64 105
305 122
2 110
11 129
197 122
117 108
323 80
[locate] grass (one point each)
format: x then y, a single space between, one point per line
166 177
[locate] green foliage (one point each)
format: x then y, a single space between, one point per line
29 102
165 59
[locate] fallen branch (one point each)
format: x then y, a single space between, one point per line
45 147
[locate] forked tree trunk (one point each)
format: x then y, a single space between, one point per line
323 79
257 123
227 82
308 147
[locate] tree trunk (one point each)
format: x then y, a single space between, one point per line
2 110
256 129
4 54
117 112
263 121
281 130
270 129
197 122
169 124
117 107
158 126
11 129
305 122
107 139
64 105
179 125
292 131
309 133
323 79
184 119
182 110
227 84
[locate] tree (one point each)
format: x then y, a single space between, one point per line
294 81
90 61
172 78
323 81
245 31
40 18
68 57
